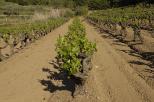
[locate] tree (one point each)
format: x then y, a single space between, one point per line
98 4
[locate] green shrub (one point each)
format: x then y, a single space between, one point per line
69 13
81 10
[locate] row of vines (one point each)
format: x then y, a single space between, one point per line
135 17
27 33
74 51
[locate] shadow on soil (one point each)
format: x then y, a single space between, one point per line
67 84
119 40
59 81
149 56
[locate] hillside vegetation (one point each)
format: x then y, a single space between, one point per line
24 24
92 4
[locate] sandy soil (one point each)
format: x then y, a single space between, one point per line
143 67
21 73
25 76
114 73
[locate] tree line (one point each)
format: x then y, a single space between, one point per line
92 4
102 4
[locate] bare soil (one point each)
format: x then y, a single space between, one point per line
29 76
143 65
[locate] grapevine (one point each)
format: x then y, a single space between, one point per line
73 48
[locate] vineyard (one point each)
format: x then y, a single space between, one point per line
135 17
76 51
27 33
133 26
22 25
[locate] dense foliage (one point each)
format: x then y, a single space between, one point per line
93 4
72 47
56 3
101 4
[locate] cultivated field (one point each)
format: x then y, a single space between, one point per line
54 55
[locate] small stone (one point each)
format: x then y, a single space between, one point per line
96 66
98 98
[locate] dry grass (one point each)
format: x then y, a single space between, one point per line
38 15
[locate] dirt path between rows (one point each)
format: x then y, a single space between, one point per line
111 80
114 76
20 74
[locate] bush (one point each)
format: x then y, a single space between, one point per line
11 11
69 13
81 10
